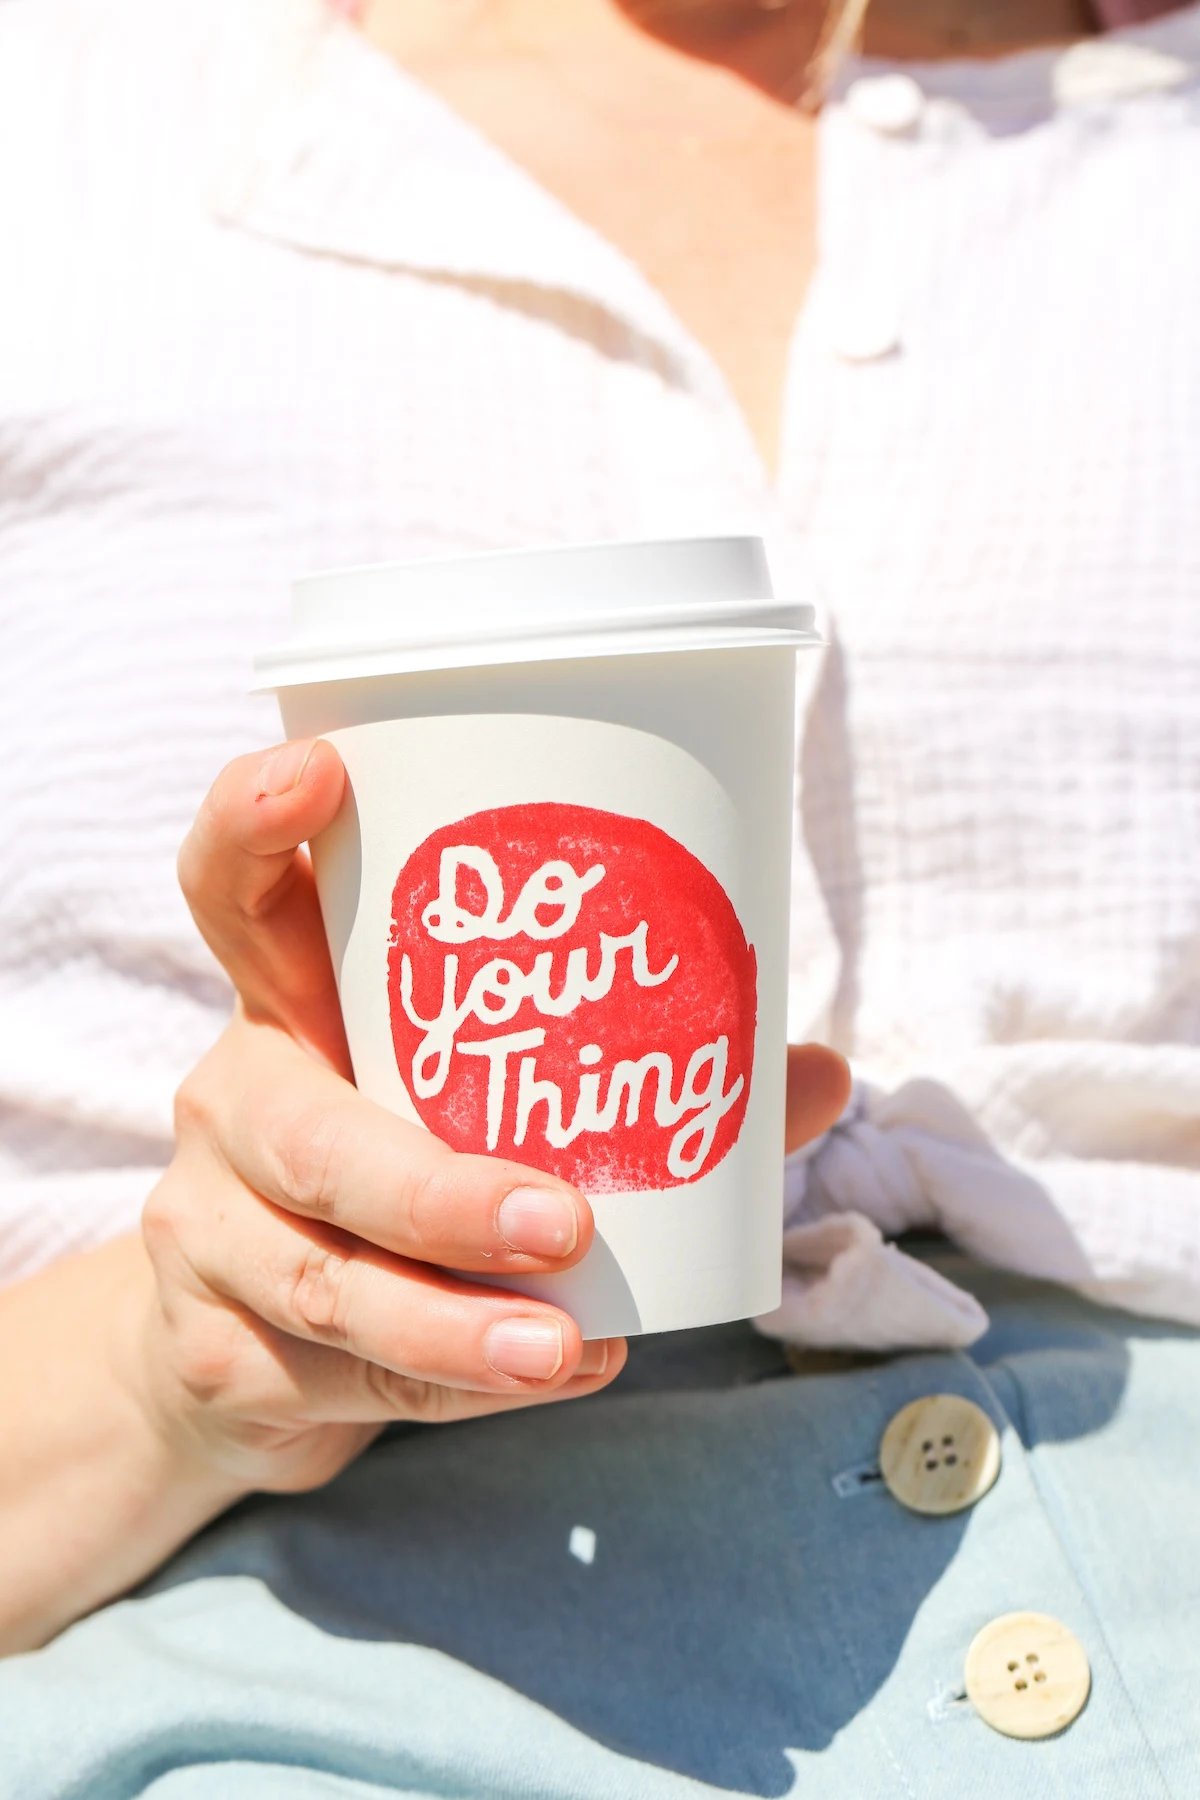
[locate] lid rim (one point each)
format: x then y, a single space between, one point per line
556 603
748 545
274 670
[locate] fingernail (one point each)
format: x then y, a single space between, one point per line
594 1360
529 1349
538 1222
282 770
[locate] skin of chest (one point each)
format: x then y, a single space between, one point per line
673 131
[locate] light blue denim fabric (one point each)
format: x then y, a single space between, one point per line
750 1622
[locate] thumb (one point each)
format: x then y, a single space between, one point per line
250 887
818 1087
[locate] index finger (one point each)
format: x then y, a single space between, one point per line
250 886
304 1140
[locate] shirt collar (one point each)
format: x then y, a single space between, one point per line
344 154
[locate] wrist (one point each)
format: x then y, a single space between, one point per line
183 1460
95 1491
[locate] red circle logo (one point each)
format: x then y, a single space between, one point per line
572 988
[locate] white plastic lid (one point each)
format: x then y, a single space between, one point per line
534 606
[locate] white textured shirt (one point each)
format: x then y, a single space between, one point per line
268 306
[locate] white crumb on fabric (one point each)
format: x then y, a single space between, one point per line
582 1543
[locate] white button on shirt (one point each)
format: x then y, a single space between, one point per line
864 327
890 104
279 309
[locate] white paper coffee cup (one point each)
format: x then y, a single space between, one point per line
557 893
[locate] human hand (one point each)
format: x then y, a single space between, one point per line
300 1237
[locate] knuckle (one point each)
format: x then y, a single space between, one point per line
257 908
409 1396
424 1201
194 1109
161 1221
319 1297
174 1216
208 1353
306 1156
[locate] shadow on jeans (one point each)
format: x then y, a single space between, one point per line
734 1606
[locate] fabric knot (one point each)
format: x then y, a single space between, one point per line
860 1165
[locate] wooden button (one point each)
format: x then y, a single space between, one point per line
1027 1676
940 1454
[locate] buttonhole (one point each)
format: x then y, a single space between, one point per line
950 1702
857 1480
